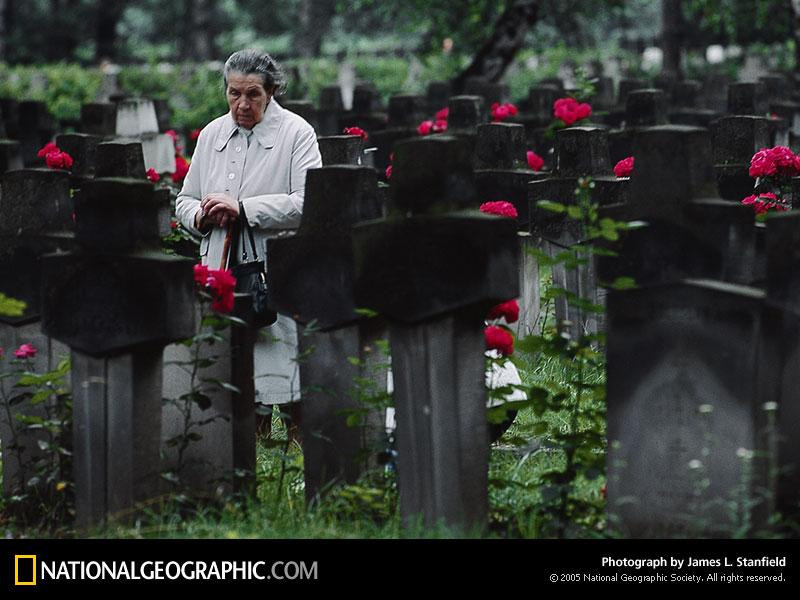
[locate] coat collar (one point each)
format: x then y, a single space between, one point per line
265 131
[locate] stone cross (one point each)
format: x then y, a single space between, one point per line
406 112
752 99
116 301
311 277
433 268
582 152
35 209
330 108
645 108
502 173
735 140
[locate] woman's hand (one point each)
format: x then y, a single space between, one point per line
219 208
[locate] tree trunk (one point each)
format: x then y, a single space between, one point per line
673 32
314 18
493 58
4 22
107 17
197 41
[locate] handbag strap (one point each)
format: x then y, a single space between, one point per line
246 224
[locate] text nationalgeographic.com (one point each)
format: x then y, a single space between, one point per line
149 570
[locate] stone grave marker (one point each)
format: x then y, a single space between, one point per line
36 127
685 396
582 152
433 270
366 112
331 106
99 118
686 108
645 108
137 122
406 112
502 173
116 301
751 99
312 275
735 140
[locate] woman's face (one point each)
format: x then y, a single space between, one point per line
247 98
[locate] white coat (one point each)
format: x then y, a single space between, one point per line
269 177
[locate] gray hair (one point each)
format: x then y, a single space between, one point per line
260 63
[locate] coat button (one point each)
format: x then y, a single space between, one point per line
231 175
238 148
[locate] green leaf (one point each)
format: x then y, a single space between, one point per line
10 307
623 283
556 207
366 312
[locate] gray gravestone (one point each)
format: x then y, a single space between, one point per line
406 112
434 270
501 173
116 301
312 275
735 140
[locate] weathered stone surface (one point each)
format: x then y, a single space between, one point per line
465 114
82 147
101 305
135 117
406 110
500 146
582 151
116 215
99 118
34 201
735 140
645 108
438 94
685 396
420 267
10 155
120 159
747 99
433 174
341 149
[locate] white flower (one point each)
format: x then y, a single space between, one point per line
695 464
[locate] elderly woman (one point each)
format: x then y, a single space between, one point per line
258 154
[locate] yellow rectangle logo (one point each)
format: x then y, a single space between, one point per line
32 579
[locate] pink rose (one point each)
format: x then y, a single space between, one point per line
356 131
153 175
535 162
500 208
624 168
442 114
25 351
425 127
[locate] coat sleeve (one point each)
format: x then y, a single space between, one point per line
283 211
187 204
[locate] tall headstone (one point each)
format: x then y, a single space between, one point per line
502 173
645 108
433 269
312 275
735 140
406 112
36 127
331 106
116 306
751 99
137 122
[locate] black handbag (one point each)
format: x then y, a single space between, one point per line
251 278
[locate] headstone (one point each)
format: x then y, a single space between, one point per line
82 147
312 275
35 210
582 152
438 94
116 306
616 116
9 107
120 159
366 112
537 117
685 419
406 112
645 108
10 155
433 270
137 122
735 140
341 149
330 108
751 99
502 173
36 127
490 92
99 118
686 108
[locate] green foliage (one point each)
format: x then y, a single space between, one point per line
9 307
38 409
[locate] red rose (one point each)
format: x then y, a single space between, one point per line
500 112
173 224
58 160
425 127
442 114
570 110
512 110
389 172
439 126
356 131
181 169
152 175
508 310
195 134
500 339
25 351
500 208
222 284
535 162
47 149
624 168
200 274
